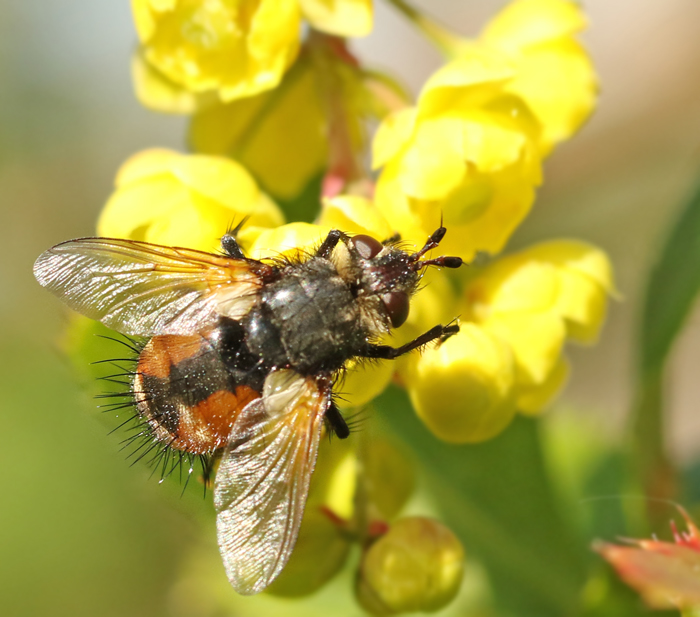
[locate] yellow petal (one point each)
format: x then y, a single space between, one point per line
364 381
393 133
145 164
583 303
356 215
514 284
463 389
532 400
288 240
130 210
395 207
554 74
527 22
468 81
339 17
493 206
433 165
183 200
581 257
143 18
155 91
489 144
535 338
560 85
219 179
185 226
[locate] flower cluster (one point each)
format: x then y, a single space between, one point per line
275 115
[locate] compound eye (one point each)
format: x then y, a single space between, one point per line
397 305
366 246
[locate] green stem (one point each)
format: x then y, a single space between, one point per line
651 470
446 41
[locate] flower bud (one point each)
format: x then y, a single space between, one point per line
389 477
319 554
416 566
463 389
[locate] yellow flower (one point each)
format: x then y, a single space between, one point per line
515 317
537 299
470 151
235 49
553 73
174 199
467 154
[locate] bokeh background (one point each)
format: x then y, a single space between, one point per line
82 533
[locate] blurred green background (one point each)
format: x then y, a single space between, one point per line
82 533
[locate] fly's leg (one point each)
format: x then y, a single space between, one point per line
334 236
386 352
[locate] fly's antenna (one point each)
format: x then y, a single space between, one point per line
433 242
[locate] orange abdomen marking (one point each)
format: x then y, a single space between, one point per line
207 426
187 394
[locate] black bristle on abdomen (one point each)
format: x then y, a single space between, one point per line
140 443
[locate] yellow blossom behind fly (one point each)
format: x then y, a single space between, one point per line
516 316
466 155
234 48
469 153
537 299
169 198
553 73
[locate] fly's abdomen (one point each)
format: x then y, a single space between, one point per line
186 393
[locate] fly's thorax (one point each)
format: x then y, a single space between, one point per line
306 319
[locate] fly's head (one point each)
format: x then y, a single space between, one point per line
383 276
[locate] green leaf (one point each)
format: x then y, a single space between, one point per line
498 498
673 284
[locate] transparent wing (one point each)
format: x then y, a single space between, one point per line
145 289
263 479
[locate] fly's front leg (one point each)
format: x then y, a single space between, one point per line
386 352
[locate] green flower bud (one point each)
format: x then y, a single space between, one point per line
319 554
389 475
416 566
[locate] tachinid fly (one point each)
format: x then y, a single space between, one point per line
241 359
